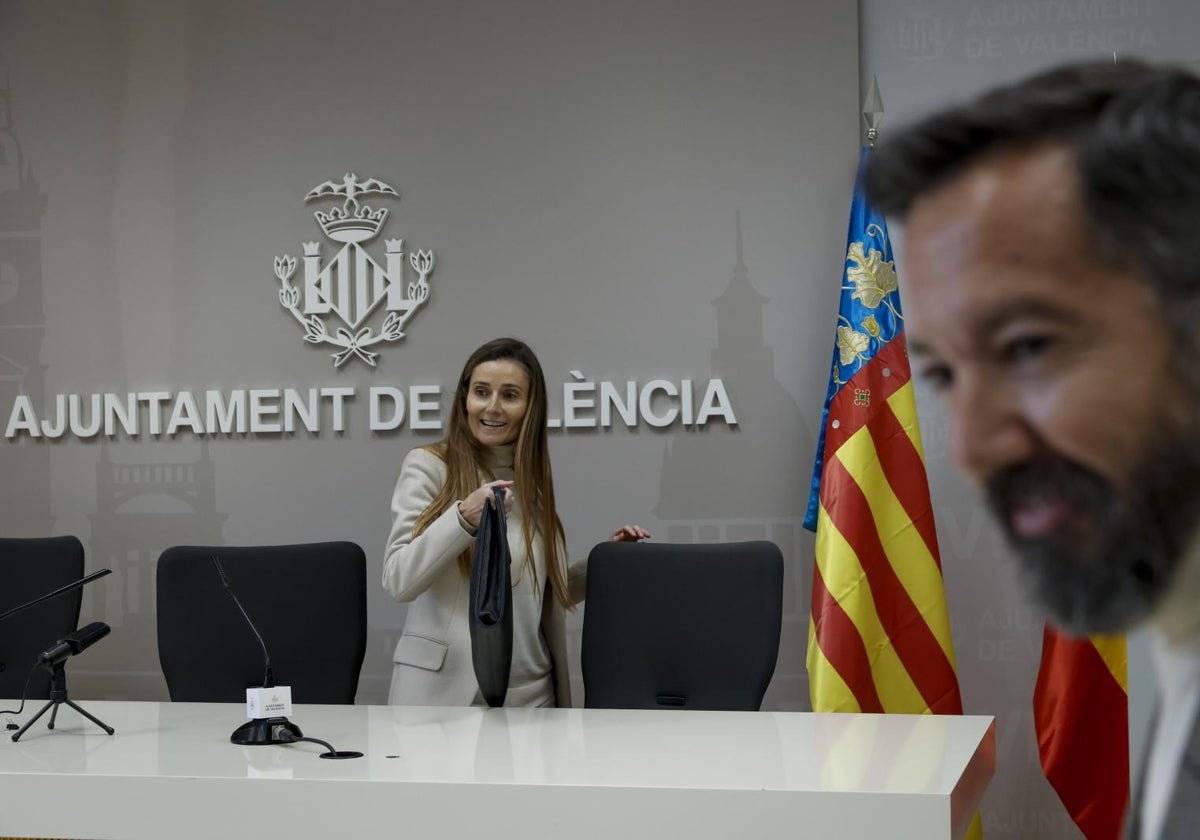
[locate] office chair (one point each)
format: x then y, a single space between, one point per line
308 601
30 568
680 625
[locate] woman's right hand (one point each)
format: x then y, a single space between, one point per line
471 508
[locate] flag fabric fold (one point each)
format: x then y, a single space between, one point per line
1081 713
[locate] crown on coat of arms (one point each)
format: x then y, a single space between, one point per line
351 222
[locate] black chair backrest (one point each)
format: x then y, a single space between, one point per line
308 601
29 568
681 625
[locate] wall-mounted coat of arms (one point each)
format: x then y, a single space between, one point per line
351 285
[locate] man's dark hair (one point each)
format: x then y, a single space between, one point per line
1135 131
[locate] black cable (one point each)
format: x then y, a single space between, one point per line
286 736
24 692
289 738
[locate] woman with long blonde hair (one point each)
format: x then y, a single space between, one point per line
496 438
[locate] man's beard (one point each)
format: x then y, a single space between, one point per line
1108 566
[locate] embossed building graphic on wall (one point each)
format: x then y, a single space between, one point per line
142 508
698 511
22 329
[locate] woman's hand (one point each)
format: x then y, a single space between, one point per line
471 508
629 533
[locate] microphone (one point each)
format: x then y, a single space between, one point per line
52 659
268 675
262 728
74 643
59 591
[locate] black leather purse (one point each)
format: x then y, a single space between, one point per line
491 603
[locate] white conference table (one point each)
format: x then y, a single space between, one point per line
170 771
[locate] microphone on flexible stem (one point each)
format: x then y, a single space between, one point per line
268 706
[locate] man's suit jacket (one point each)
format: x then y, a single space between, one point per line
1183 809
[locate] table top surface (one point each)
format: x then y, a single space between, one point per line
774 751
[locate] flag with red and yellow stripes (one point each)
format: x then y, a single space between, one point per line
1081 712
879 636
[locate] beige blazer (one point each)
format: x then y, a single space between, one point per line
431 664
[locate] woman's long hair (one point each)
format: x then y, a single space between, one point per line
467 464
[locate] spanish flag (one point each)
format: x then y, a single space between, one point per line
1081 712
879 635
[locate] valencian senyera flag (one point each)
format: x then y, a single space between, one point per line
1081 712
879 636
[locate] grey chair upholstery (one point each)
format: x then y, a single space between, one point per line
30 568
308 601
680 625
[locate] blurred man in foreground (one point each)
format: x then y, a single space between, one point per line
1053 300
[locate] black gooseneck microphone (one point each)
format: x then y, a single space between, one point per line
268 674
273 730
258 731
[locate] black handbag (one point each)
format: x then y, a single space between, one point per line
491 603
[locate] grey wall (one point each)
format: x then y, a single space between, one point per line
927 53
579 169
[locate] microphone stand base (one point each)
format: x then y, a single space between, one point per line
58 697
261 731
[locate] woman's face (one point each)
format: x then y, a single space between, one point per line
497 399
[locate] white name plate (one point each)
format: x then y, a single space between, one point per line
269 702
